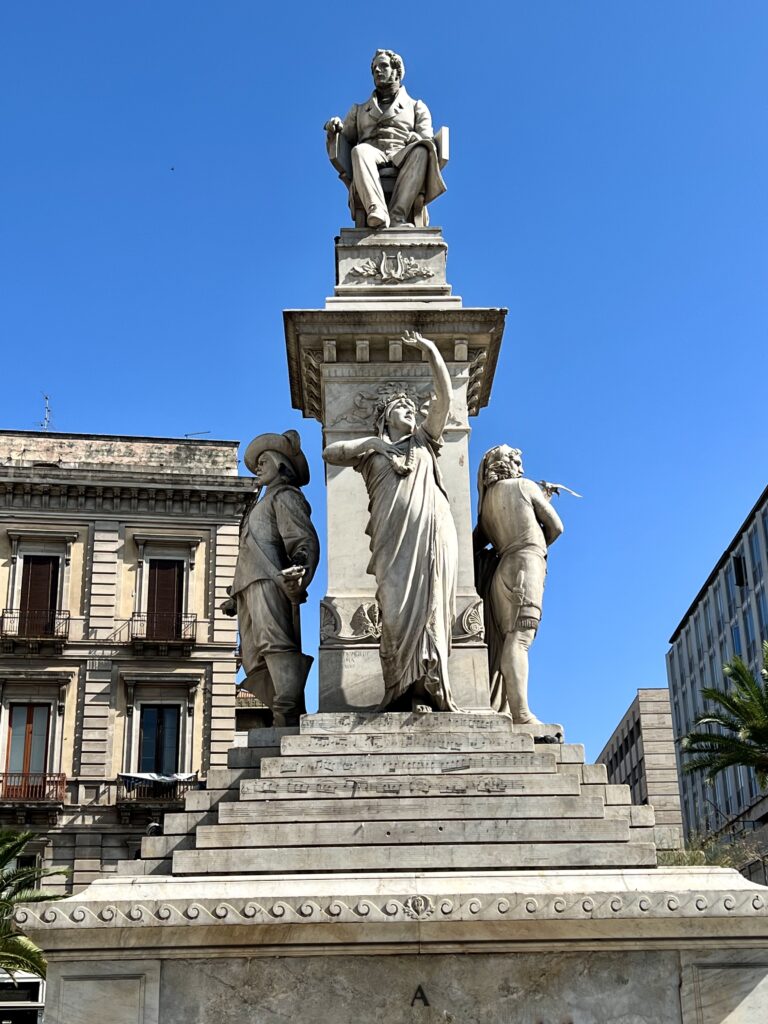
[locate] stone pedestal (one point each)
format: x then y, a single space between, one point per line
341 359
404 868
391 267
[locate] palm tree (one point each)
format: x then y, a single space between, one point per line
19 885
740 715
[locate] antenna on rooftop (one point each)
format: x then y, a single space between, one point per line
46 420
197 433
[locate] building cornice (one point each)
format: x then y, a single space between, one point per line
119 494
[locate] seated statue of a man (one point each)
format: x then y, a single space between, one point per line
390 129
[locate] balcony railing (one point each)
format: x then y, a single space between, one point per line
34 625
32 787
154 791
164 626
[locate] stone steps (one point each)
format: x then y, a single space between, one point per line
405 792
398 832
344 723
252 812
406 743
392 787
396 857
162 847
249 757
145 866
407 764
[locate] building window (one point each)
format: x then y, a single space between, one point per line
736 639
730 589
159 739
762 613
27 751
749 631
716 671
719 612
39 595
754 553
707 623
689 651
165 598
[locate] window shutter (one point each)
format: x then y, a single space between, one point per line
39 592
165 598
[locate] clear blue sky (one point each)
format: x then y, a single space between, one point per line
165 193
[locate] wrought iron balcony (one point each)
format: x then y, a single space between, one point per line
153 791
32 787
26 624
164 627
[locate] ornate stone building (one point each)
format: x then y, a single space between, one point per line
116 663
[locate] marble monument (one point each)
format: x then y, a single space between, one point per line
422 849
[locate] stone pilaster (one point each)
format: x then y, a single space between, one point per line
341 359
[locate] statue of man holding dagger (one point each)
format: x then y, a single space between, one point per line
279 552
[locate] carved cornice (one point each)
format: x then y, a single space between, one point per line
585 906
315 339
98 494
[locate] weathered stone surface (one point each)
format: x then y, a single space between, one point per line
389 722
270 737
397 832
406 764
727 987
122 992
406 743
408 858
350 677
393 786
404 265
583 988
249 757
409 808
714 905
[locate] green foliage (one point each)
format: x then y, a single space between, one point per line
19 885
723 851
735 730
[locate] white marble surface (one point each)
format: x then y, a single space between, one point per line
102 990
571 988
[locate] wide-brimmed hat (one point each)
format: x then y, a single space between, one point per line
288 445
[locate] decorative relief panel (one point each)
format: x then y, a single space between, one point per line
469 626
365 624
391 269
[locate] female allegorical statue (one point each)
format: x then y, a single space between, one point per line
414 549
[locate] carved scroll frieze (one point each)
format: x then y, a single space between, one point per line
360 908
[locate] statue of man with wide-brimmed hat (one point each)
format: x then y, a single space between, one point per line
279 552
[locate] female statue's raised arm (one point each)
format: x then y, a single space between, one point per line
440 406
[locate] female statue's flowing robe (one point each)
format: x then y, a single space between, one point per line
414 557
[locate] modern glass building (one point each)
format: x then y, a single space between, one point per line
728 616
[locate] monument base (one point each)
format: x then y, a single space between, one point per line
351 678
663 946
407 868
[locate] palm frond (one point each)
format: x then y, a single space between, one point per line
19 953
733 730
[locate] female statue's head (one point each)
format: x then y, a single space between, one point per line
396 417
